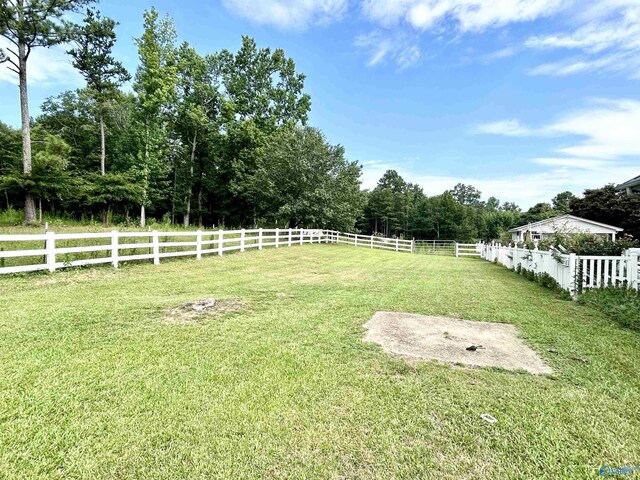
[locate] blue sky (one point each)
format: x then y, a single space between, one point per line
521 98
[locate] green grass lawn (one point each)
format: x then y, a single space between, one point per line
95 384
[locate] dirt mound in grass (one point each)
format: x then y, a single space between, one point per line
195 312
452 340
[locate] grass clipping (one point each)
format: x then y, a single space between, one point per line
444 339
196 312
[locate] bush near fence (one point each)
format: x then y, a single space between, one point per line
574 273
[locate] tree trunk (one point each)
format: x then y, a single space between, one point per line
173 193
200 206
29 203
192 159
103 148
143 219
40 210
187 212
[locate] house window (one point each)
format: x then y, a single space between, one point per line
536 236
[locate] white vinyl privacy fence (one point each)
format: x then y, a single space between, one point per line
51 251
574 273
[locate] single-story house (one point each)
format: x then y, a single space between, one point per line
563 224
631 187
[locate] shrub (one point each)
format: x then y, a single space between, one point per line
587 244
620 304
543 279
11 217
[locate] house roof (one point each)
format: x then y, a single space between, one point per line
553 220
634 182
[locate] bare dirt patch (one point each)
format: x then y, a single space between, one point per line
444 339
198 311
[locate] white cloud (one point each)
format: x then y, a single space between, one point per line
581 163
506 52
469 15
601 145
572 66
509 128
383 47
46 66
609 128
609 41
622 31
598 144
288 14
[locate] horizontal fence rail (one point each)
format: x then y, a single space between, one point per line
52 251
469 249
573 273
370 241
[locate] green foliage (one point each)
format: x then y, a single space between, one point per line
37 23
11 217
301 180
587 244
92 56
562 202
396 207
620 304
49 176
606 205
391 205
221 138
466 195
265 86
540 211
545 280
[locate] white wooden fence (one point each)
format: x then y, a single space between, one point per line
469 249
115 247
370 241
574 273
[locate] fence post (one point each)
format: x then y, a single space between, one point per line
277 238
371 241
259 239
413 245
156 248
573 281
289 240
397 241
114 248
301 236
50 243
242 234
632 271
356 241
220 241
199 244
456 247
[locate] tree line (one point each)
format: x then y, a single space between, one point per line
207 139
396 207
220 138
